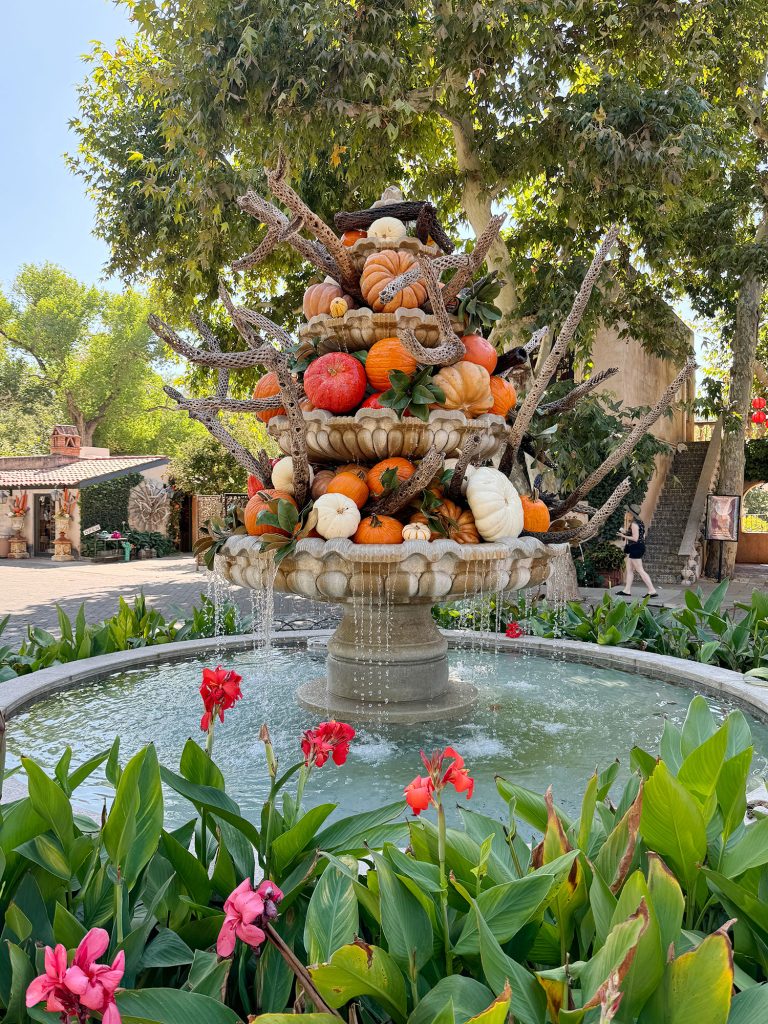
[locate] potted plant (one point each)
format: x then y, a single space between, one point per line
608 563
19 508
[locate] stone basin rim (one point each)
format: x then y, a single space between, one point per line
17 695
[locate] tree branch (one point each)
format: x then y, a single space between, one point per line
570 400
396 500
468 454
451 348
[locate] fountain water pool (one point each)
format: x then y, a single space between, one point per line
536 721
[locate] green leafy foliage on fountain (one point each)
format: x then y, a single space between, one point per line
623 913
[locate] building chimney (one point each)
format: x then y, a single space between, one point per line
65 441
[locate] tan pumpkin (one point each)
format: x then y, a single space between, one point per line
320 484
381 268
416 531
338 307
318 298
455 523
467 387
536 518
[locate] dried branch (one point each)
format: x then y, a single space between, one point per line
281 229
629 443
467 264
392 503
281 190
570 400
586 531
451 347
572 321
466 459
423 213
301 972
225 360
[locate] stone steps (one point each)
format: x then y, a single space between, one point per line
665 533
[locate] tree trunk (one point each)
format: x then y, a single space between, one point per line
478 207
85 428
744 347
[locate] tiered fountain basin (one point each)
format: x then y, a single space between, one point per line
374 434
387 659
358 329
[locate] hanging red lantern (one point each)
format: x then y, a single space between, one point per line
758 403
760 416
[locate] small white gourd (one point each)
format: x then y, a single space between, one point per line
337 516
282 475
416 531
387 229
495 504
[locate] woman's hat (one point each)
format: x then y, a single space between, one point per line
634 509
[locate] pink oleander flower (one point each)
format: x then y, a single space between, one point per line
85 986
116 535
328 739
244 911
514 630
423 791
220 689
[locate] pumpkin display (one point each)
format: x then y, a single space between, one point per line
254 484
338 307
384 356
387 229
455 522
504 397
350 485
320 484
352 467
379 530
318 298
416 531
495 504
478 350
337 516
282 475
536 518
467 387
381 268
403 471
260 503
266 387
335 382
352 236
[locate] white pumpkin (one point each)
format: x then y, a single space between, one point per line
337 516
387 229
282 475
495 504
416 531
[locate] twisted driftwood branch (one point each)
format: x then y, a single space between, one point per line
280 189
468 454
396 500
276 361
451 347
281 229
203 357
629 443
569 401
572 321
467 264
588 530
423 213
216 404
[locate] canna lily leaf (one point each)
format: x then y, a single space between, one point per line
362 970
696 988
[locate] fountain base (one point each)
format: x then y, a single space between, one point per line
456 700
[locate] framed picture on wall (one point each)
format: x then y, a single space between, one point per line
723 516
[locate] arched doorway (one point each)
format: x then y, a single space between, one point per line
753 535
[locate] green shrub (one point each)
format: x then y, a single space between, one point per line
106 504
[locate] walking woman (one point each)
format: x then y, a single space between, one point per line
633 535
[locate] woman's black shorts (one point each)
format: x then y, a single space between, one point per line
636 550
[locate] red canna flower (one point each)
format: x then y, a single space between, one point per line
457 775
418 794
514 630
220 689
422 791
327 739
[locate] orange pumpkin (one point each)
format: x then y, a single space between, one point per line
385 355
479 351
351 467
381 268
466 387
351 486
320 484
267 386
352 236
456 523
504 396
536 518
318 298
403 470
260 503
379 530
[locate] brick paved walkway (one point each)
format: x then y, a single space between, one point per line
30 591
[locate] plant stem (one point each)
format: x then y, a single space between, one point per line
443 886
303 776
119 907
300 971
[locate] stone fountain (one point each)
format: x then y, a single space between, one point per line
387 659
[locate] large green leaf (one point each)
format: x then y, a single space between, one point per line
529 805
332 919
287 847
507 907
172 1006
424 874
189 869
672 824
700 770
208 798
698 726
362 970
696 988
404 922
668 900
197 767
135 823
208 973
22 973
352 832
290 1018
50 801
466 997
748 907
647 966
750 1006
166 950
750 851
732 790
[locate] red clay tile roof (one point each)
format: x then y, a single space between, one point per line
79 471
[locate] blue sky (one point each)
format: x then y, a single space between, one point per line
44 214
